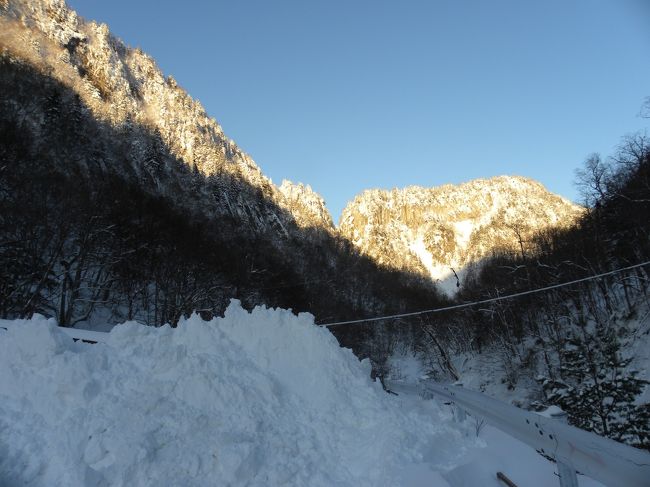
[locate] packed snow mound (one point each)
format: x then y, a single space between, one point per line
258 399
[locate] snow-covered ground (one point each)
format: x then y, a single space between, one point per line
500 453
519 462
258 399
263 398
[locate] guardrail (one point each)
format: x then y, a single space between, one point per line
605 460
85 335
602 459
74 333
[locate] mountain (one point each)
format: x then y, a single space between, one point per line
120 198
432 230
124 87
307 206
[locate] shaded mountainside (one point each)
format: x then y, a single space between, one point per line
125 88
432 230
120 199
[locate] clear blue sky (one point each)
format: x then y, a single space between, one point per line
346 95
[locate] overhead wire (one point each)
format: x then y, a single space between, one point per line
484 301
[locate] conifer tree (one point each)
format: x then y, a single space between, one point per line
597 389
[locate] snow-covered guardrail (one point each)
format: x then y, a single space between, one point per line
602 459
85 335
74 333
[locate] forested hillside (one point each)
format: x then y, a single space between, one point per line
103 221
581 346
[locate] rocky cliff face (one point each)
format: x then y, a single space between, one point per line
307 206
125 88
432 230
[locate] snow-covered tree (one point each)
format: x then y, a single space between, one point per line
597 389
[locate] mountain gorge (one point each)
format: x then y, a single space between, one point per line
121 199
80 106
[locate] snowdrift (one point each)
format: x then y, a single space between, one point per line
258 399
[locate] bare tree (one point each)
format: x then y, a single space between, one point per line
593 179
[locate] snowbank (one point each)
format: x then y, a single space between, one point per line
258 399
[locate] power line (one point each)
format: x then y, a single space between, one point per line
295 284
490 300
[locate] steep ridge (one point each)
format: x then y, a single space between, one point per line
307 206
124 87
432 230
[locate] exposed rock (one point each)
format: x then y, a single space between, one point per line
434 230
307 206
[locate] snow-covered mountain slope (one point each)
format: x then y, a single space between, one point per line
79 107
257 399
432 230
426 230
306 205
125 88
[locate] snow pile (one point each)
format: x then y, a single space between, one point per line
257 399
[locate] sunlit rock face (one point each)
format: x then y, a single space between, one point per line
307 206
434 230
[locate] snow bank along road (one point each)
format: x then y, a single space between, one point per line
258 399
